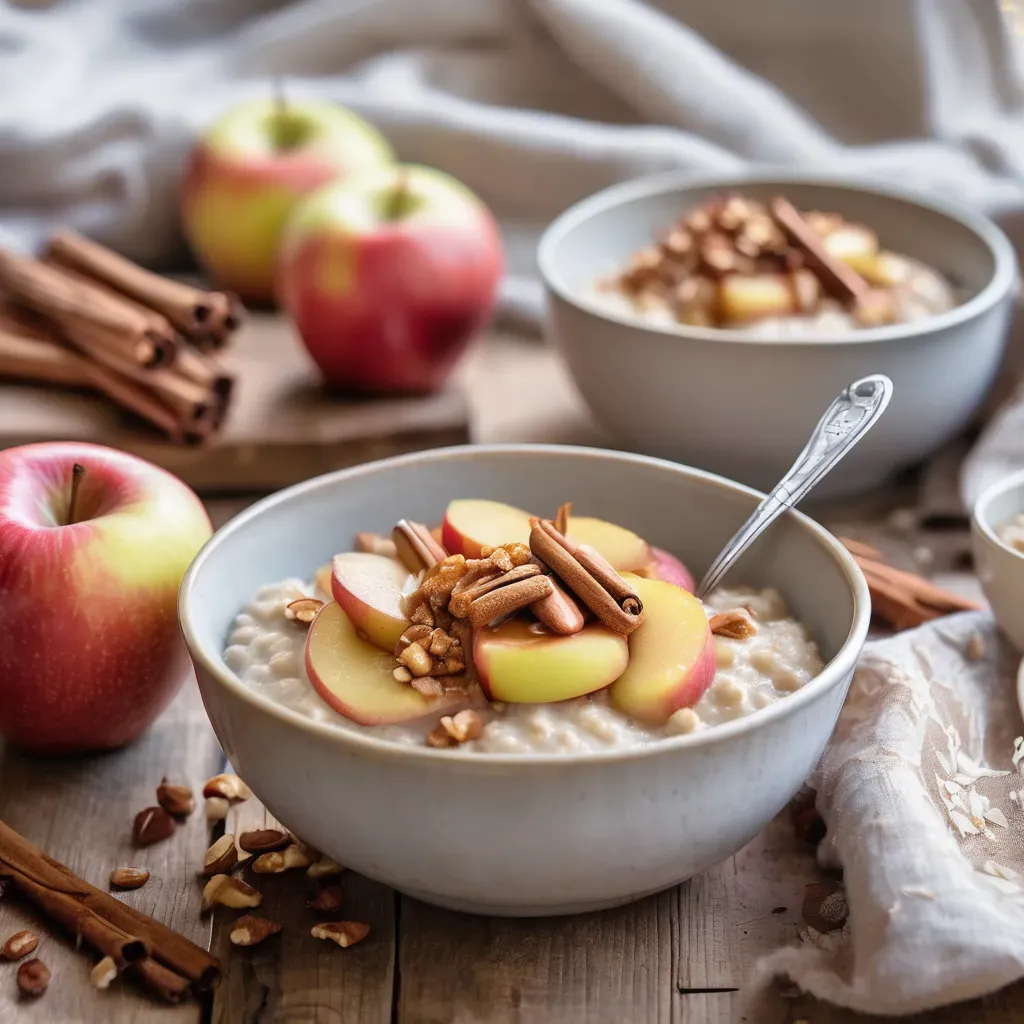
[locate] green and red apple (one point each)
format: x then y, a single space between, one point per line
388 275
249 172
369 590
90 563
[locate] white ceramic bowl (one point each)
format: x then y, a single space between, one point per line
999 566
743 407
524 834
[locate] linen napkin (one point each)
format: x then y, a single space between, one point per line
922 790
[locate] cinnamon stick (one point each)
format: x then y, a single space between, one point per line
25 355
53 888
208 316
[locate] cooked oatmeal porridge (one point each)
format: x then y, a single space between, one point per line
265 650
1012 533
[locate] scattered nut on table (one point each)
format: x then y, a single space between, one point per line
250 930
175 799
226 891
229 787
323 868
264 840
326 900
344 933
152 825
33 977
221 857
274 863
103 973
18 945
128 878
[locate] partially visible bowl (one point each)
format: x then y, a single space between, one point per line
524 834
999 566
743 406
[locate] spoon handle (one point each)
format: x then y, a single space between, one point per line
845 422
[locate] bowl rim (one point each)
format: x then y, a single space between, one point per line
831 675
979 513
1003 277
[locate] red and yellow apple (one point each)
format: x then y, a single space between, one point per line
357 679
671 654
90 564
668 568
388 275
523 663
251 169
369 589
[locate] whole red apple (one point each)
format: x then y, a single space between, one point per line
250 170
388 275
93 546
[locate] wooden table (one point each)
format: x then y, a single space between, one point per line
680 956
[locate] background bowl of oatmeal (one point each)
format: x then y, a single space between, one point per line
523 833
743 405
997 537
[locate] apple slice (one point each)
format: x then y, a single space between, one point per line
357 679
471 523
668 568
523 663
369 589
671 654
623 549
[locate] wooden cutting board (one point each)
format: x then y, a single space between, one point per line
282 428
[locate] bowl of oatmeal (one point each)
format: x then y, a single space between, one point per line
444 675
997 539
708 320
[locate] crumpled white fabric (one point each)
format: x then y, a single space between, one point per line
533 103
923 796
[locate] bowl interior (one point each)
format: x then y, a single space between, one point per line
1001 502
689 513
595 237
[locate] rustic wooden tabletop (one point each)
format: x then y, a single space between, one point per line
680 956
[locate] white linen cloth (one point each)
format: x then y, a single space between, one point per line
922 791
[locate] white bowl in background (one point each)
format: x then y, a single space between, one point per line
1000 568
743 406
524 834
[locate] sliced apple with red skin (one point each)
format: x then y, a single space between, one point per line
357 679
671 654
369 589
521 663
668 568
471 524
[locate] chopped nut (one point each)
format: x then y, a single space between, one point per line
221 857
104 973
344 933
18 945
215 808
230 787
375 544
402 674
875 308
416 660
735 624
250 930
327 900
440 642
274 863
323 868
440 738
151 825
264 840
415 634
464 726
303 610
227 891
34 976
128 878
427 686
422 616
175 799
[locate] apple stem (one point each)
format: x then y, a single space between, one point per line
399 195
77 472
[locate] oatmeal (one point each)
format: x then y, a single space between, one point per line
773 272
265 650
1012 533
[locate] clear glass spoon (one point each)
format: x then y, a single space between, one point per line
845 422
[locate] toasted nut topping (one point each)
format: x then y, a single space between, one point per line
249 930
323 868
215 808
735 624
230 787
263 840
220 858
104 973
18 945
151 825
466 725
128 878
303 610
403 675
226 891
33 977
327 900
174 799
282 860
344 933
416 660
375 544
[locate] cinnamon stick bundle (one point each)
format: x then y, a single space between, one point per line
903 599
164 961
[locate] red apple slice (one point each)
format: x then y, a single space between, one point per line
471 523
668 568
356 678
624 550
369 589
522 663
671 654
